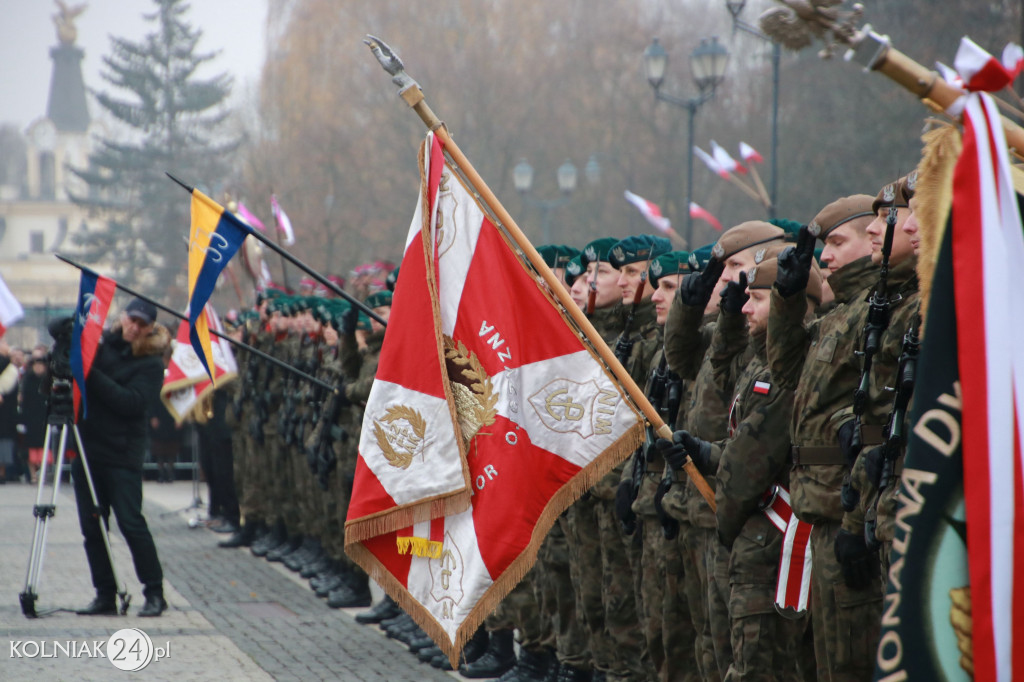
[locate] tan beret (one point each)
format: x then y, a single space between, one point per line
893 192
762 276
839 212
745 235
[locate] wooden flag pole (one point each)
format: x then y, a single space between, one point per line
749 191
765 199
410 91
174 313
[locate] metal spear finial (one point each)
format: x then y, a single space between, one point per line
391 63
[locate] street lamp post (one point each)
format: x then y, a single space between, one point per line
522 179
707 63
735 7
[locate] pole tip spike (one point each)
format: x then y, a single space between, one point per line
188 187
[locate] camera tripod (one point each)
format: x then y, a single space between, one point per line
61 415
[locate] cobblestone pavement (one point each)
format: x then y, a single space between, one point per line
232 616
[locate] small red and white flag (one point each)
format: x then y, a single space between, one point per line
10 310
249 218
283 222
532 406
793 585
749 154
651 211
726 161
710 162
762 387
702 213
186 382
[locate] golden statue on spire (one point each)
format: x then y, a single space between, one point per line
64 20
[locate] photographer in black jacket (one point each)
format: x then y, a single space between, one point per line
126 373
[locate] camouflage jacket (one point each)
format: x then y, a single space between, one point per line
752 459
904 304
819 364
707 416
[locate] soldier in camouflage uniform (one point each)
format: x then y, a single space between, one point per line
817 361
902 293
688 347
753 462
580 522
664 617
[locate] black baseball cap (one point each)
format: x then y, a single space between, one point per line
141 310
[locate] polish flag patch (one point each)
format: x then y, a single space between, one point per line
762 387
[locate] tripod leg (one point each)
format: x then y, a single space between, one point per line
122 590
43 513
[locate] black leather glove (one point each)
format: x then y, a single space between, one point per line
858 564
697 287
795 264
349 320
624 507
623 348
669 526
682 444
873 465
849 496
735 296
845 437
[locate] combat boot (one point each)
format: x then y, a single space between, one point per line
428 654
531 666
349 597
243 537
292 544
270 540
329 583
570 673
295 560
382 610
322 563
496 661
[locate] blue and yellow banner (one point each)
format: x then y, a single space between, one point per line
215 237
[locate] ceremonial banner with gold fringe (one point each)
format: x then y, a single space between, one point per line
538 414
186 383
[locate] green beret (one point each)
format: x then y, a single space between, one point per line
557 255
671 263
378 299
641 247
597 251
699 258
573 269
790 227
392 279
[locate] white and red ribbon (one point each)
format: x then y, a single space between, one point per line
988 247
793 586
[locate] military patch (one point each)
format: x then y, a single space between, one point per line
656 268
826 350
752 275
889 193
591 253
912 181
574 268
619 254
694 263
814 228
762 387
759 256
718 250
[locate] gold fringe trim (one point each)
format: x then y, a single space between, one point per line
516 571
421 547
395 519
933 200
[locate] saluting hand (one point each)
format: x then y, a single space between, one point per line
795 264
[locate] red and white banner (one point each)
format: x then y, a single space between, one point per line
988 248
651 211
793 586
538 415
701 213
723 159
10 310
283 222
749 154
710 162
186 382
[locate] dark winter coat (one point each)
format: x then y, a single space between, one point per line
9 406
33 409
119 390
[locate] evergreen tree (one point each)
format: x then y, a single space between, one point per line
172 122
